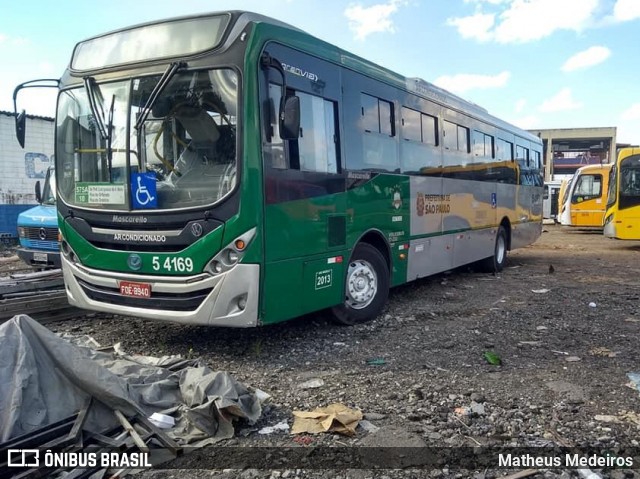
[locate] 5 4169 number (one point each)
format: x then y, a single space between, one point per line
172 264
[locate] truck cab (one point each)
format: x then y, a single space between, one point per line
38 228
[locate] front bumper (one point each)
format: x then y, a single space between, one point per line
40 258
229 299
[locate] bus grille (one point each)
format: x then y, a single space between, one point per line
165 301
42 234
52 245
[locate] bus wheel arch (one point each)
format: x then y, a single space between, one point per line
366 282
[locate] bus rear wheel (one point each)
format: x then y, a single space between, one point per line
495 263
366 287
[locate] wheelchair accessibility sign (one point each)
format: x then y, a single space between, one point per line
143 190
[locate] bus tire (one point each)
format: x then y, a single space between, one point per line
495 263
366 287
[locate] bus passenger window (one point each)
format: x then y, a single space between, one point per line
504 150
377 115
317 146
456 137
379 149
429 129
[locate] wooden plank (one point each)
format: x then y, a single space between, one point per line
166 440
132 432
43 302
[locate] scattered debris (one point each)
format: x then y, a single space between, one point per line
603 352
162 420
281 426
492 358
312 384
540 291
105 399
376 362
635 380
607 418
303 440
367 426
336 418
572 359
592 304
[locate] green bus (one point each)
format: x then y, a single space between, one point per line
229 169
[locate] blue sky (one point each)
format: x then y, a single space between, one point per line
535 63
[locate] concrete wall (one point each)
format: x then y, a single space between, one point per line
21 168
576 139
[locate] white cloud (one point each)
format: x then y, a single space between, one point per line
625 10
375 19
586 58
632 113
476 26
527 20
465 81
561 101
520 104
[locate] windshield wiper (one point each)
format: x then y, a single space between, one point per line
105 128
153 96
95 103
110 136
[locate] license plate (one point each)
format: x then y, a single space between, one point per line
137 290
40 257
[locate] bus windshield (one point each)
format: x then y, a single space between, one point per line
630 182
182 156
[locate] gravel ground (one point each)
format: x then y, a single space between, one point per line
563 318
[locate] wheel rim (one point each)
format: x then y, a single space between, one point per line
501 249
362 284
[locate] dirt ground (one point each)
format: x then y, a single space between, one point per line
563 318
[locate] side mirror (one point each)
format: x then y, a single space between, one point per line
290 118
38 192
21 127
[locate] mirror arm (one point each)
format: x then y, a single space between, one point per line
20 119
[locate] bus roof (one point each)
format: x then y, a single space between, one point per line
239 19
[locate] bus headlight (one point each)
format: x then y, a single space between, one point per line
608 219
22 233
231 254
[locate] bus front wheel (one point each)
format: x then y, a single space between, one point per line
495 263
366 287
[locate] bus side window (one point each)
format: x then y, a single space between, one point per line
379 147
317 146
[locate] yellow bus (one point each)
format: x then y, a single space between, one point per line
585 197
562 197
622 220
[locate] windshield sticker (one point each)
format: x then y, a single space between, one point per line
100 193
143 190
